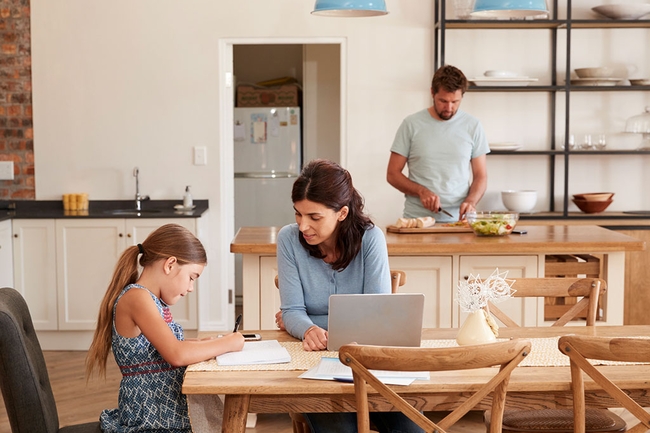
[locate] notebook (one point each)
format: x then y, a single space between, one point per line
378 319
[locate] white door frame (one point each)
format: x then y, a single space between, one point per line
226 209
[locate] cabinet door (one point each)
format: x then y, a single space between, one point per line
269 294
137 230
431 276
6 255
87 251
34 257
526 312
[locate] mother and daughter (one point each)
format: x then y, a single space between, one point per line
332 248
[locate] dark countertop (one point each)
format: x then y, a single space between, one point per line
45 209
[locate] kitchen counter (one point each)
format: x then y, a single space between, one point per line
37 209
434 263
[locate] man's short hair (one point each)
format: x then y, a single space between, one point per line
450 79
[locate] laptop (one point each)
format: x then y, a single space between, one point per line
391 319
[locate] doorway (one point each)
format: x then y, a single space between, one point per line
318 65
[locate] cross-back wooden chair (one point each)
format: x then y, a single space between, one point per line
558 420
581 348
590 289
299 423
362 358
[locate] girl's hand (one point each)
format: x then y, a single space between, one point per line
315 338
233 342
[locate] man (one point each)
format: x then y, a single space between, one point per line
445 149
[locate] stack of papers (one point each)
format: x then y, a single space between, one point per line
334 369
256 352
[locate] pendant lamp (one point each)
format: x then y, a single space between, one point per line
350 8
517 9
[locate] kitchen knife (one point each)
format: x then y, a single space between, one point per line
445 212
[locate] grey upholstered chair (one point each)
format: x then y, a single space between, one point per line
24 380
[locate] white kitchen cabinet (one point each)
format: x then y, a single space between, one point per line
34 258
525 311
432 276
6 255
87 251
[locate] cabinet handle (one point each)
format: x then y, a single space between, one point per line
121 235
128 235
16 235
466 277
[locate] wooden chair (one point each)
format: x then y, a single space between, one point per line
24 380
581 348
590 289
397 279
362 358
558 420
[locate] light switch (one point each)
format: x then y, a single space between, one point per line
200 155
6 170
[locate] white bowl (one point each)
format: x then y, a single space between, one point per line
600 72
519 201
500 74
627 11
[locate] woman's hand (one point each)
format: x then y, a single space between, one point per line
315 338
278 321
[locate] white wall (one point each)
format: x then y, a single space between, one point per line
119 84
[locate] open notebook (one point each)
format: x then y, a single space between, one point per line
379 319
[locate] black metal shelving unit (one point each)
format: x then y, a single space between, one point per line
553 24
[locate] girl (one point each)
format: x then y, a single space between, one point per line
333 248
134 319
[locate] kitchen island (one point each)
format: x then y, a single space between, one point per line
434 263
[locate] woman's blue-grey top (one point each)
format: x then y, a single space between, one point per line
306 282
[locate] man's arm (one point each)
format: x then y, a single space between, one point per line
396 178
478 186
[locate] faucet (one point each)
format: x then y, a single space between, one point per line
138 198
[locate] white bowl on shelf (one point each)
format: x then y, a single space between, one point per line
519 201
623 11
599 72
495 73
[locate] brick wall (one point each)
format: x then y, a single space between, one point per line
16 133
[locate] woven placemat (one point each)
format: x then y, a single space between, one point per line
544 353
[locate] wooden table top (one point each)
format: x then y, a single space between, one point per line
541 239
523 379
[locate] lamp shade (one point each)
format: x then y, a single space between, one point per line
509 8
350 8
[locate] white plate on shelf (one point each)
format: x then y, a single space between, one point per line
595 81
181 208
505 146
509 82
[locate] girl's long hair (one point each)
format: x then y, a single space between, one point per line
329 184
170 240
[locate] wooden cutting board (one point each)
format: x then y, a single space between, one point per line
438 228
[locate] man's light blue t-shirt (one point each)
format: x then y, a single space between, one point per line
438 156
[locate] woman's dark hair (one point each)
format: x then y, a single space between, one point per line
329 184
449 78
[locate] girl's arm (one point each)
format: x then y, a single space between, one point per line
137 313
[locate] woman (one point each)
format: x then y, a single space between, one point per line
332 248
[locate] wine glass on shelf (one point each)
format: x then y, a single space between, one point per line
601 142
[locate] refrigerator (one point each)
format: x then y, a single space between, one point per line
267 160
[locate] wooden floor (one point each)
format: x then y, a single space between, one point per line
79 401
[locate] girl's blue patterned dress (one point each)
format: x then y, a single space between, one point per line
150 398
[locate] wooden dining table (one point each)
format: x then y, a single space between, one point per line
534 387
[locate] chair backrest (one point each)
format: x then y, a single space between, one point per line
581 348
362 358
24 380
397 279
589 289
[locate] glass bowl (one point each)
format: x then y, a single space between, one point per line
492 223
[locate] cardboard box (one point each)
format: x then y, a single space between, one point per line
281 96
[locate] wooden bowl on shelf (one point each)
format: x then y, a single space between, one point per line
592 206
594 196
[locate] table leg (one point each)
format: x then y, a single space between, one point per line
235 411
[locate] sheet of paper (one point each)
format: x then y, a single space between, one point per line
256 352
333 369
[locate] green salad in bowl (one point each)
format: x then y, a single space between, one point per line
492 223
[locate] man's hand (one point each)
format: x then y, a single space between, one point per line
429 200
315 338
465 207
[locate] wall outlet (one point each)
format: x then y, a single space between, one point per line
6 170
200 155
